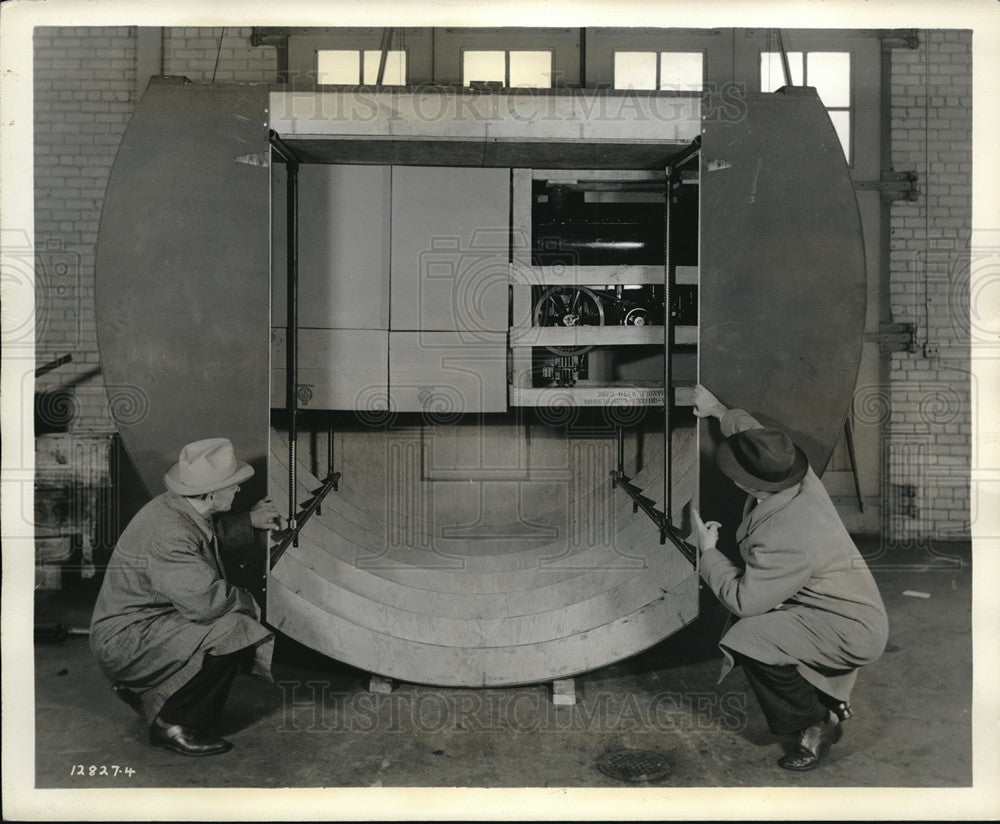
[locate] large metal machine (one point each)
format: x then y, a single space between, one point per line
455 332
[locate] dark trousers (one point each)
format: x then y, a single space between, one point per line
199 702
789 702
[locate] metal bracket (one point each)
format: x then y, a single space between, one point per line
892 186
267 36
667 530
258 159
716 165
291 535
894 337
900 39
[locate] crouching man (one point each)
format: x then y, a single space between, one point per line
806 612
168 629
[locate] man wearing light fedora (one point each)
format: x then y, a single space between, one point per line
806 612
168 629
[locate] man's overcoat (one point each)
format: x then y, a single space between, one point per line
165 602
805 596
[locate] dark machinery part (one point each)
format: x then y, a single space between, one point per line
638 305
569 229
48 367
568 306
289 537
646 504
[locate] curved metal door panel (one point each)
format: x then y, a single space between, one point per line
782 268
182 274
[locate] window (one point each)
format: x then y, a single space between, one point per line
353 66
513 69
828 72
666 71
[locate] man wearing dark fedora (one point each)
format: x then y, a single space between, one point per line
805 610
168 629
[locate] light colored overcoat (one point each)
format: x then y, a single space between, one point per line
165 602
806 596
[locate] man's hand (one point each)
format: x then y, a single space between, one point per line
707 534
264 515
706 404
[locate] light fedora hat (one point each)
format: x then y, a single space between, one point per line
206 466
763 459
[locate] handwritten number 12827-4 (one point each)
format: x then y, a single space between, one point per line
101 769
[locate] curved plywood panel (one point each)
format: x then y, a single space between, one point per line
783 269
511 566
182 276
448 665
530 612
325 554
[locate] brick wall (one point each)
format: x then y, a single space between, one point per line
85 91
929 439
222 54
84 80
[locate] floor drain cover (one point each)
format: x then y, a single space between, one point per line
633 765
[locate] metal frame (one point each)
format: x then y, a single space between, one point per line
292 310
296 519
618 477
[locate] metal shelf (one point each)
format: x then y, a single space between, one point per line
599 335
524 275
611 394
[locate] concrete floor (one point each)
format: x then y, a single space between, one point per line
319 727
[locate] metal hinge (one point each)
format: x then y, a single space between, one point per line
892 185
894 337
258 159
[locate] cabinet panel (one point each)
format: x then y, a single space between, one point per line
450 239
343 247
444 374
338 369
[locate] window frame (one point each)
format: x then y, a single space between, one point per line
360 52
506 66
659 52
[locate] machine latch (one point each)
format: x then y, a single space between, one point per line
892 185
894 337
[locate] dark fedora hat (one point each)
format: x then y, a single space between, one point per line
762 459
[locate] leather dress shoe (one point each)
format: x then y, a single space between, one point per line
812 745
186 740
